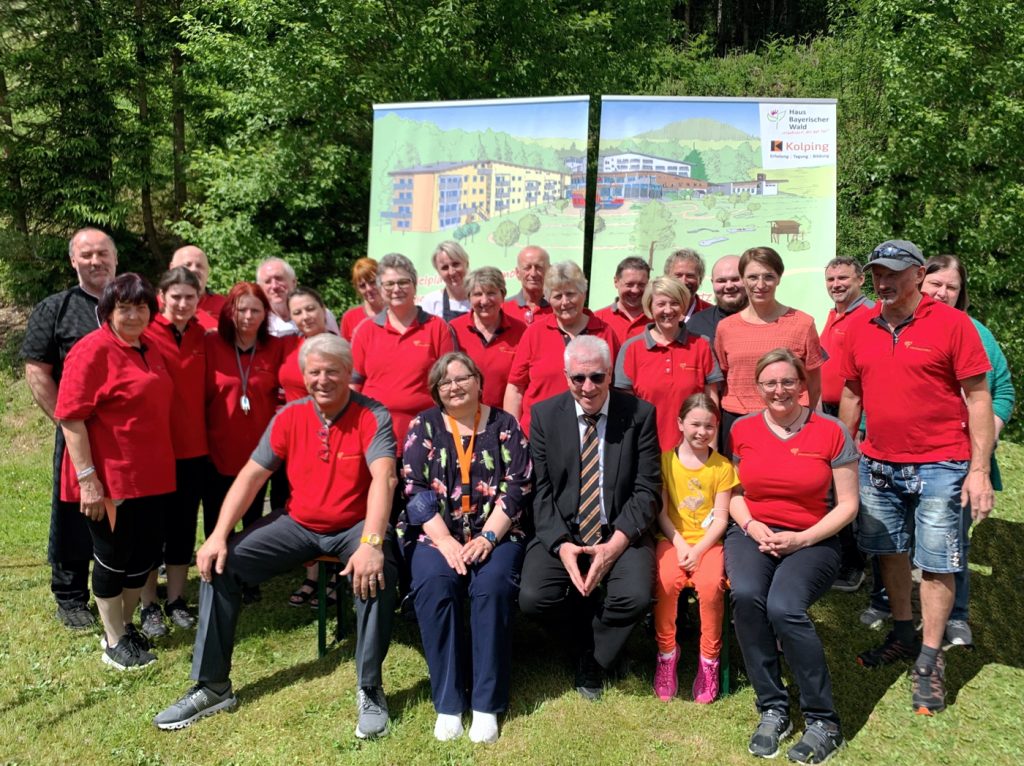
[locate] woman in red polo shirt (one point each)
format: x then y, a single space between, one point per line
487 333
364 280
114 406
665 364
538 368
765 324
242 365
782 553
393 352
177 333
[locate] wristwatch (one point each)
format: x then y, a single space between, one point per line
375 540
490 537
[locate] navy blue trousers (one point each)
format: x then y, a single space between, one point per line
439 592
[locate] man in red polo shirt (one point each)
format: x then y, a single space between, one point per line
532 265
339 450
626 315
844 278
917 368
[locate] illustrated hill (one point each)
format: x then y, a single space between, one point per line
697 129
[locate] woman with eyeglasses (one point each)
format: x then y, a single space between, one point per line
538 368
765 324
451 261
364 280
945 280
466 471
114 407
782 551
393 352
666 364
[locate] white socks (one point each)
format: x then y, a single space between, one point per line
447 727
484 729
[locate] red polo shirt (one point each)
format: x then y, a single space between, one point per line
208 313
911 381
351 319
327 495
623 327
290 375
232 434
786 481
538 367
495 358
392 367
124 396
186 361
833 341
666 375
518 308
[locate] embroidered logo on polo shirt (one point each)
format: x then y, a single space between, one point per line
421 343
507 349
797 452
911 347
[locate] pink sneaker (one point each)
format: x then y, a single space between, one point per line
705 685
665 683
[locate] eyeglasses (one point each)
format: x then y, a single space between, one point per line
325 446
461 381
786 383
768 279
597 378
402 283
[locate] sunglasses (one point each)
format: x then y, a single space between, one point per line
597 378
892 251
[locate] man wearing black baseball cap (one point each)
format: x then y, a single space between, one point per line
917 368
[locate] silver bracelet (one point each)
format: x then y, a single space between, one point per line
86 472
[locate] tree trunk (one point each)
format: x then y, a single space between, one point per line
179 195
17 210
145 165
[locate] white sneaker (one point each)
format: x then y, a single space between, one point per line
484 729
447 727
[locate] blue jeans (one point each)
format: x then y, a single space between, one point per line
906 506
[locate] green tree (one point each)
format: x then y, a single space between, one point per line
654 229
506 235
529 224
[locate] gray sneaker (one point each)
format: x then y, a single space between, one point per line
958 633
874 618
373 712
774 727
152 619
198 702
179 614
126 655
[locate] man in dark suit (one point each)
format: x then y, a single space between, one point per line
598 490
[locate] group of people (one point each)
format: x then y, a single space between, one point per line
475 448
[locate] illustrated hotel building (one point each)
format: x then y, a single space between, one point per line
446 194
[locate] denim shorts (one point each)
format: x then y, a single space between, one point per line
913 505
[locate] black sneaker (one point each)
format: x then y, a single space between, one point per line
849 580
178 613
198 702
891 650
774 727
126 655
589 678
75 615
928 687
152 619
819 743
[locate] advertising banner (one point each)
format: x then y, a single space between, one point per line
718 176
494 176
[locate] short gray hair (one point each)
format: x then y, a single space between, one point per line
584 347
267 261
564 273
328 345
485 276
397 262
686 254
71 242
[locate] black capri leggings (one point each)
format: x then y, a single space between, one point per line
182 512
125 555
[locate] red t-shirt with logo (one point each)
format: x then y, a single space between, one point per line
833 341
623 327
124 395
495 358
187 365
786 481
910 382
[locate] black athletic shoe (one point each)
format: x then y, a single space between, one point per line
75 615
890 651
774 727
589 678
820 742
126 655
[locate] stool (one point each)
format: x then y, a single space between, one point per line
321 606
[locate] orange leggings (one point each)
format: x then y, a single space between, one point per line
709 581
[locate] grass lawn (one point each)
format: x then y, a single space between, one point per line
60 704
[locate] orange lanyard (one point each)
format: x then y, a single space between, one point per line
465 456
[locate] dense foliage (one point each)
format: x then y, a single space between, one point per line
245 125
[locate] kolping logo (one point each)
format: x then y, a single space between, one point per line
777 146
776 115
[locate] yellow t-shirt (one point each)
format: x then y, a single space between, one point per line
691 493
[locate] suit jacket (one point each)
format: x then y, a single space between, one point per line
632 472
